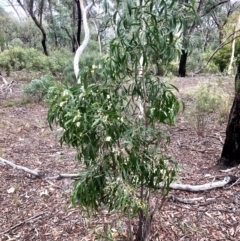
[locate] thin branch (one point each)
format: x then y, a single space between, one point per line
25 169
21 223
66 30
4 81
37 174
63 175
224 43
214 6
185 200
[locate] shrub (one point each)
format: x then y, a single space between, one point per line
58 60
91 64
222 57
39 87
115 124
18 58
208 99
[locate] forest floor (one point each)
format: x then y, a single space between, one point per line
36 209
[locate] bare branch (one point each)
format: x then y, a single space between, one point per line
215 5
36 173
217 49
185 200
204 187
25 169
21 223
4 81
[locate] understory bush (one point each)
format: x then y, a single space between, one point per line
90 62
115 121
58 60
210 101
38 88
222 58
18 58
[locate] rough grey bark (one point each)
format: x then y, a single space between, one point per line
231 150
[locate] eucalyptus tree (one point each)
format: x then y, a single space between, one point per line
36 11
231 149
220 13
52 21
188 29
8 29
216 13
116 122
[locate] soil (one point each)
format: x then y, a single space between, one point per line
37 209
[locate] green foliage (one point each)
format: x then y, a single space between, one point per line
58 60
39 87
16 42
208 98
210 101
8 103
115 122
222 57
18 58
91 61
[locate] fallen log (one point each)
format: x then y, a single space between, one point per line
203 187
230 179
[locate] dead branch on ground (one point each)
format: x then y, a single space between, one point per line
21 223
5 88
230 179
38 174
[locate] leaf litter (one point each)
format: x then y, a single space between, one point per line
36 209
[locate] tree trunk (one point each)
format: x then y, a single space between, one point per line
231 150
144 226
36 21
220 33
230 67
53 24
183 63
74 41
79 29
85 41
186 33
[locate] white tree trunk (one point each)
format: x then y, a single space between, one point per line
230 67
85 41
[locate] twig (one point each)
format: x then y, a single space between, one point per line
63 175
21 223
235 183
185 200
4 81
228 170
20 167
37 174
